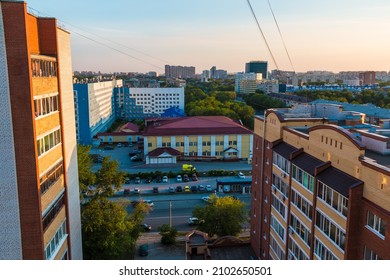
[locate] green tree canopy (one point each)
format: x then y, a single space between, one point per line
222 216
86 176
108 177
108 232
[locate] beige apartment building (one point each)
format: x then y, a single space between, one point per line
318 192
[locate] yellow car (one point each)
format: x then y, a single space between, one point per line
186 188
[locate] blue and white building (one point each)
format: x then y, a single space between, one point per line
141 103
94 107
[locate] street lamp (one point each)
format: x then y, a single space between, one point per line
170 214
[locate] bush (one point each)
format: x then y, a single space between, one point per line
168 234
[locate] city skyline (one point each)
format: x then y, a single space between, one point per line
142 36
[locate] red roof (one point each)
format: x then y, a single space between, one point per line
159 151
199 125
129 127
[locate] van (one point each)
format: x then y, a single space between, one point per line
188 167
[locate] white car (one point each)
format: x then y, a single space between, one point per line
137 190
192 221
208 188
206 199
241 175
179 178
165 179
149 202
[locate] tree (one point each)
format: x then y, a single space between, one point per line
168 234
86 176
109 178
108 231
222 216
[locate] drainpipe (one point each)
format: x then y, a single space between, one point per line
261 180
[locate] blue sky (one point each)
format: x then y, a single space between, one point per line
333 35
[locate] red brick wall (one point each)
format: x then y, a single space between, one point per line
14 18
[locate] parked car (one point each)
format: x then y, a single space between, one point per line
179 189
201 188
137 180
136 158
126 192
127 180
158 179
193 221
171 189
186 178
146 227
108 147
186 189
131 154
165 179
194 188
209 188
119 145
241 175
148 180
137 190
155 189
143 250
179 178
194 177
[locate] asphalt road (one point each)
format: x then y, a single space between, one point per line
177 208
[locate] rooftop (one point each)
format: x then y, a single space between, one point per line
199 125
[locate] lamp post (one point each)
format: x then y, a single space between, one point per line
170 213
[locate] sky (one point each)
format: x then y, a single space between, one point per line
145 35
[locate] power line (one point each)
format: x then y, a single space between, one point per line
103 44
280 33
262 34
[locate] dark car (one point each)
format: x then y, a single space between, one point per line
186 178
146 227
194 188
136 158
148 180
194 177
159 179
155 189
108 148
131 154
143 250
126 192
179 189
127 180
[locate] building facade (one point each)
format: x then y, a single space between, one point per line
180 72
246 83
318 192
94 106
196 138
257 67
39 196
141 103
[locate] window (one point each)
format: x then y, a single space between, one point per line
47 142
322 252
295 252
303 205
50 177
46 105
56 241
281 162
376 224
52 213
370 254
43 68
278 251
329 228
333 198
278 206
300 229
279 184
279 229
303 178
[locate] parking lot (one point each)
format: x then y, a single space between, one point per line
121 154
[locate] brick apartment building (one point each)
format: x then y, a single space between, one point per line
39 191
318 192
